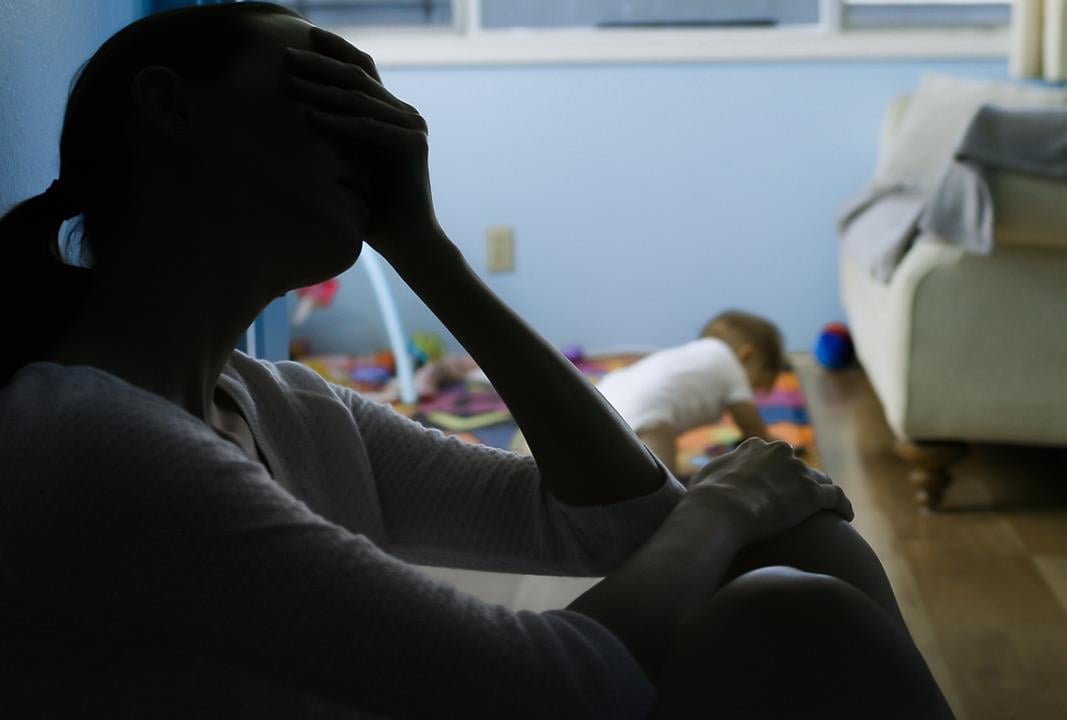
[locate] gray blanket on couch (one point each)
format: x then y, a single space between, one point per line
878 227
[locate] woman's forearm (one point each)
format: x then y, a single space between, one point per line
586 453
673 573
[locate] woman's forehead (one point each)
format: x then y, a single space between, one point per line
263 60
282 31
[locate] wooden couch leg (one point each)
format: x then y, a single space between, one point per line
930 474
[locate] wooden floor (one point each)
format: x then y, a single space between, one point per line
982 583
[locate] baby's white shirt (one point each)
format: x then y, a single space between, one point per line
685 386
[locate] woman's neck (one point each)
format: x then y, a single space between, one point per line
171 336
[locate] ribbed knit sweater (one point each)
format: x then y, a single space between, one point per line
150 569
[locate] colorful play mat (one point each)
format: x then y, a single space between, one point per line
472 411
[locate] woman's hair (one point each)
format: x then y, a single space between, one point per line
39 291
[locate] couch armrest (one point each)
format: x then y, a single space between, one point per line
880 317
1028 211
957 345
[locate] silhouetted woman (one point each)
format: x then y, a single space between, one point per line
188 532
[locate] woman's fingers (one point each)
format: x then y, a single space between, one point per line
328 70
779 446
366 129
818 475
340 49
831 497
354 102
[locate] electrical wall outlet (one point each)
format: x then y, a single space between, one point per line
500 248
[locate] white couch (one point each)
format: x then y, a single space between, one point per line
964 347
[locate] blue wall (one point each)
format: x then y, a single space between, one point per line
645 197
42 44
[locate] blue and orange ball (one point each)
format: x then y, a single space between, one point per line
833 348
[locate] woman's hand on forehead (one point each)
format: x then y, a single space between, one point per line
383 138
334 63
333 85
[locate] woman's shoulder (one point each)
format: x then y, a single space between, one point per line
48 408
266 383
75 437
281 376
51 390
84 452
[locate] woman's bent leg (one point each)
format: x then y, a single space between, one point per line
827 545
780 643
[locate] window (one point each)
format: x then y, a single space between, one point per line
544 14
905 14
436 32
389 13
651 13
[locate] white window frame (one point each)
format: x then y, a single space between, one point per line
467 43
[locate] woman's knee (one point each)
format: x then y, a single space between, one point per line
779 640
773 612
824 544
783 603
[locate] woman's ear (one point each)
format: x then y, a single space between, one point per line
161 100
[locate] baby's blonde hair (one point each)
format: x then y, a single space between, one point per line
736 327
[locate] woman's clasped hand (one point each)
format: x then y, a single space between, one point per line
769 488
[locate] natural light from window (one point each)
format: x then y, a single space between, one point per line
429 32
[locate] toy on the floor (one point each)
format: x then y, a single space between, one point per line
376 370
299 347
384 359
372 375
833 348
315 296
713 451
426 347
443 371
574 353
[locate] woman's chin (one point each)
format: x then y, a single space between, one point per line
345 242
346 253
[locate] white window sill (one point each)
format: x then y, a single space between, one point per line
442 47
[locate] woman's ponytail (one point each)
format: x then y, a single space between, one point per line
40 293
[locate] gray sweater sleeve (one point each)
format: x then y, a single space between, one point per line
450 503
128 518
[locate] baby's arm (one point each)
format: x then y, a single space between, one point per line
749 421
660 439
